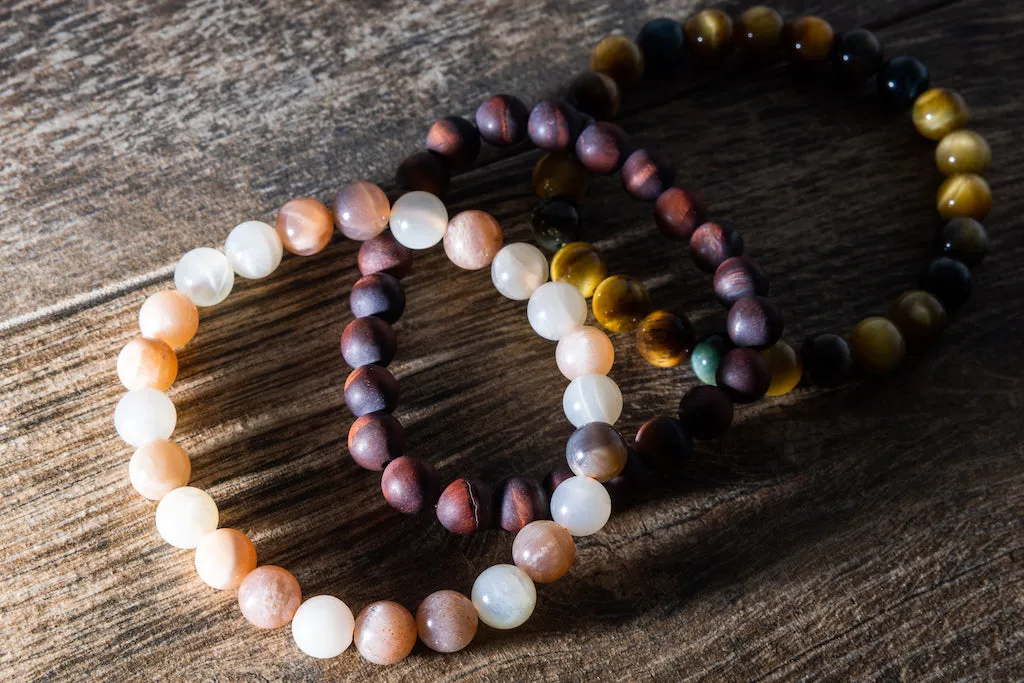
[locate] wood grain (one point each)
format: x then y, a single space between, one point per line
870 533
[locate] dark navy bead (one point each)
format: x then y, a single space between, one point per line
901 80
949 280
857 56
663 45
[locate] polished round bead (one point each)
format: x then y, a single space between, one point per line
554 125
619 58
620 303
185 515
367 341
556 222
410 485
423 172
964 195
962 151
384 632
472 240
502 120
556 309
418 220
646 175
949 280
758 31
584 351
518 269
964 239
938 112
665 339
377 294
323 627
504 596
827 360
663 45
305 226
631 484
383 254
592 398
204 276
559 174
158 468
456 140
595 94
901 80
754 321
369 389
144 415
663 445
597 451
581 265
877 345
519 501
465 506
706 355
709 35
224 557
169 316
705 412
678 212
744 375
375 439
920 317
269 596
446 621
711 244
737 278
253 250
809 40
602 147
581 505
857 56
544 551
147 363
785 366
361 211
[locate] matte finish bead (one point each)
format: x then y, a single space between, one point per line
744 375
159 467
418 220
323 627
920 317
755 322
620 59
424 172
556 476
678 212
305 226
705 412
147 363
602 147
518 270
544 551
857 56
465 507
938 112
785 367
758 31
584 351
964 239
504 596
377 294
559 174
809 39
224 558
706 356
383 254
737 278
581 265
446 621
361 211
711 244
472 240
185 515
253 250
595 94
662 43
385 632
597 451
581 505
269 596
949 280
901 80
620 303
663 445
144 415
519 501
375 439
631 484
555 223
370 389
204 276
456 140
410 485
556 309
665 339
554 125
877 345
963 151
709 35
592 398
646 175
367 341
964 195
502 120
827 360
169 316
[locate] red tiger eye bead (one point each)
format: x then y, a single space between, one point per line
519 501
602 147
678 212
646 174
737 278
410 484
711 244
383 254
744 375
424 171
465 506
376 439
456 140
502 120
554 126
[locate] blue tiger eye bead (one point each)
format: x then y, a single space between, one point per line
901 80
663 45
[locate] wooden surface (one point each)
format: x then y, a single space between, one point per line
873 533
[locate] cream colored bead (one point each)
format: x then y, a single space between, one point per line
592 398
224 557
518 270
147 363
584 351
504 596
253 249
169 316
205 276
144 415
322 626
556 309
158 468
185 515
581 505
418 220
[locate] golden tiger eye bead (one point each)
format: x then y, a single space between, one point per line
962 151
619 58
964 195
620 303
809 39
559 174
920 317
938 112
758 31
581 265
785 366
877 345
665 339
709 35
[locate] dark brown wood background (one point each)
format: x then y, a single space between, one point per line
871 533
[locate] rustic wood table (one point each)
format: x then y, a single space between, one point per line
872 533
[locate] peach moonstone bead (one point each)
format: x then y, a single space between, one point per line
147 363
472 240
361 211
224 557
446 621
385 632
544 550
169 316
584 351
268 596
159 467
304 226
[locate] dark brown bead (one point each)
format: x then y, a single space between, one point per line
456 140
705 412
424 171
410 484
369 389
646 175
827 360
383 254
755 322
663 445
678 212
737 278
949 280
519 501
367 341
502 120
809 40
919 316
595 94
631 484
376 439
711 244
602 147
554 125
744 375
465 506
964 239
556 477
377 294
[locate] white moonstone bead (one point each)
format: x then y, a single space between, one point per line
144 415
581 505
205 276
504 596
253 249
418 220
556 309
592 398
519 269
185 515
322 626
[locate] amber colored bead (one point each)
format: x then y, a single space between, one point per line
559 174
949 280
383 254
646 175
581 265
556 222
619 58
620 303
962 151
737 278
465 506
938 112
705 412
964 195
785 367
809 39
709 35
305 226
665 339
631 484
744 375
663 445
502 120
877 345
964 239
595 94
678 212
711 244
602 147
369 389
554 126
920 317
827 360
758 31
147 363
425 171
367 341
755 322
519 501
377 294
410 484
456 140
375 439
